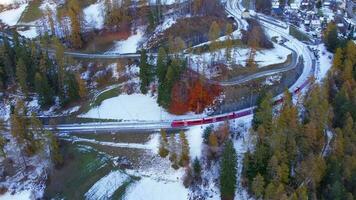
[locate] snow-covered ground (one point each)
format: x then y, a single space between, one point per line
263 58
94 15
30 33
324 63
23 195
132 107
11 17
242 144
106 186
150 189
129 45
9 2
26 183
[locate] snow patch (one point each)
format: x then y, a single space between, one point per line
106 186
93 15
130 45
150 189
132 107
11 17
23 195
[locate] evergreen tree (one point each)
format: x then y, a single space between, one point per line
214 34
229 41
163 145
74 12
258 185
43 90
56 155
2 146
173 157
21 75
263 114
144 72
184 155
197 168
18 122
330 37
83 92
228 170
72 88
60 61
162 63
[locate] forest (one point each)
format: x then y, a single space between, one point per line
308 151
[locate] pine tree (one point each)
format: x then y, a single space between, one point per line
229 41
331 37
214 34
72 88
21 75
18 122
162 68
43 90
338 59
228 170
196 168
59 48
184 156
75 15
173 157
263 114
83 91
144 72
56 155
161 65
3 140
351 52
3 143
163 145
258 185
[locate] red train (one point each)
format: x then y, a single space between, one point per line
209 120
235 115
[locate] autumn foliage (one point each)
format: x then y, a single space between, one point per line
194 96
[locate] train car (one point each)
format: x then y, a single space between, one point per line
195 122
177 124
209 120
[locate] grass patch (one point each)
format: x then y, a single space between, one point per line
81 170
298 34
32 12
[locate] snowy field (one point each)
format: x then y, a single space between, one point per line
324 63
132 107
263 58
11 17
